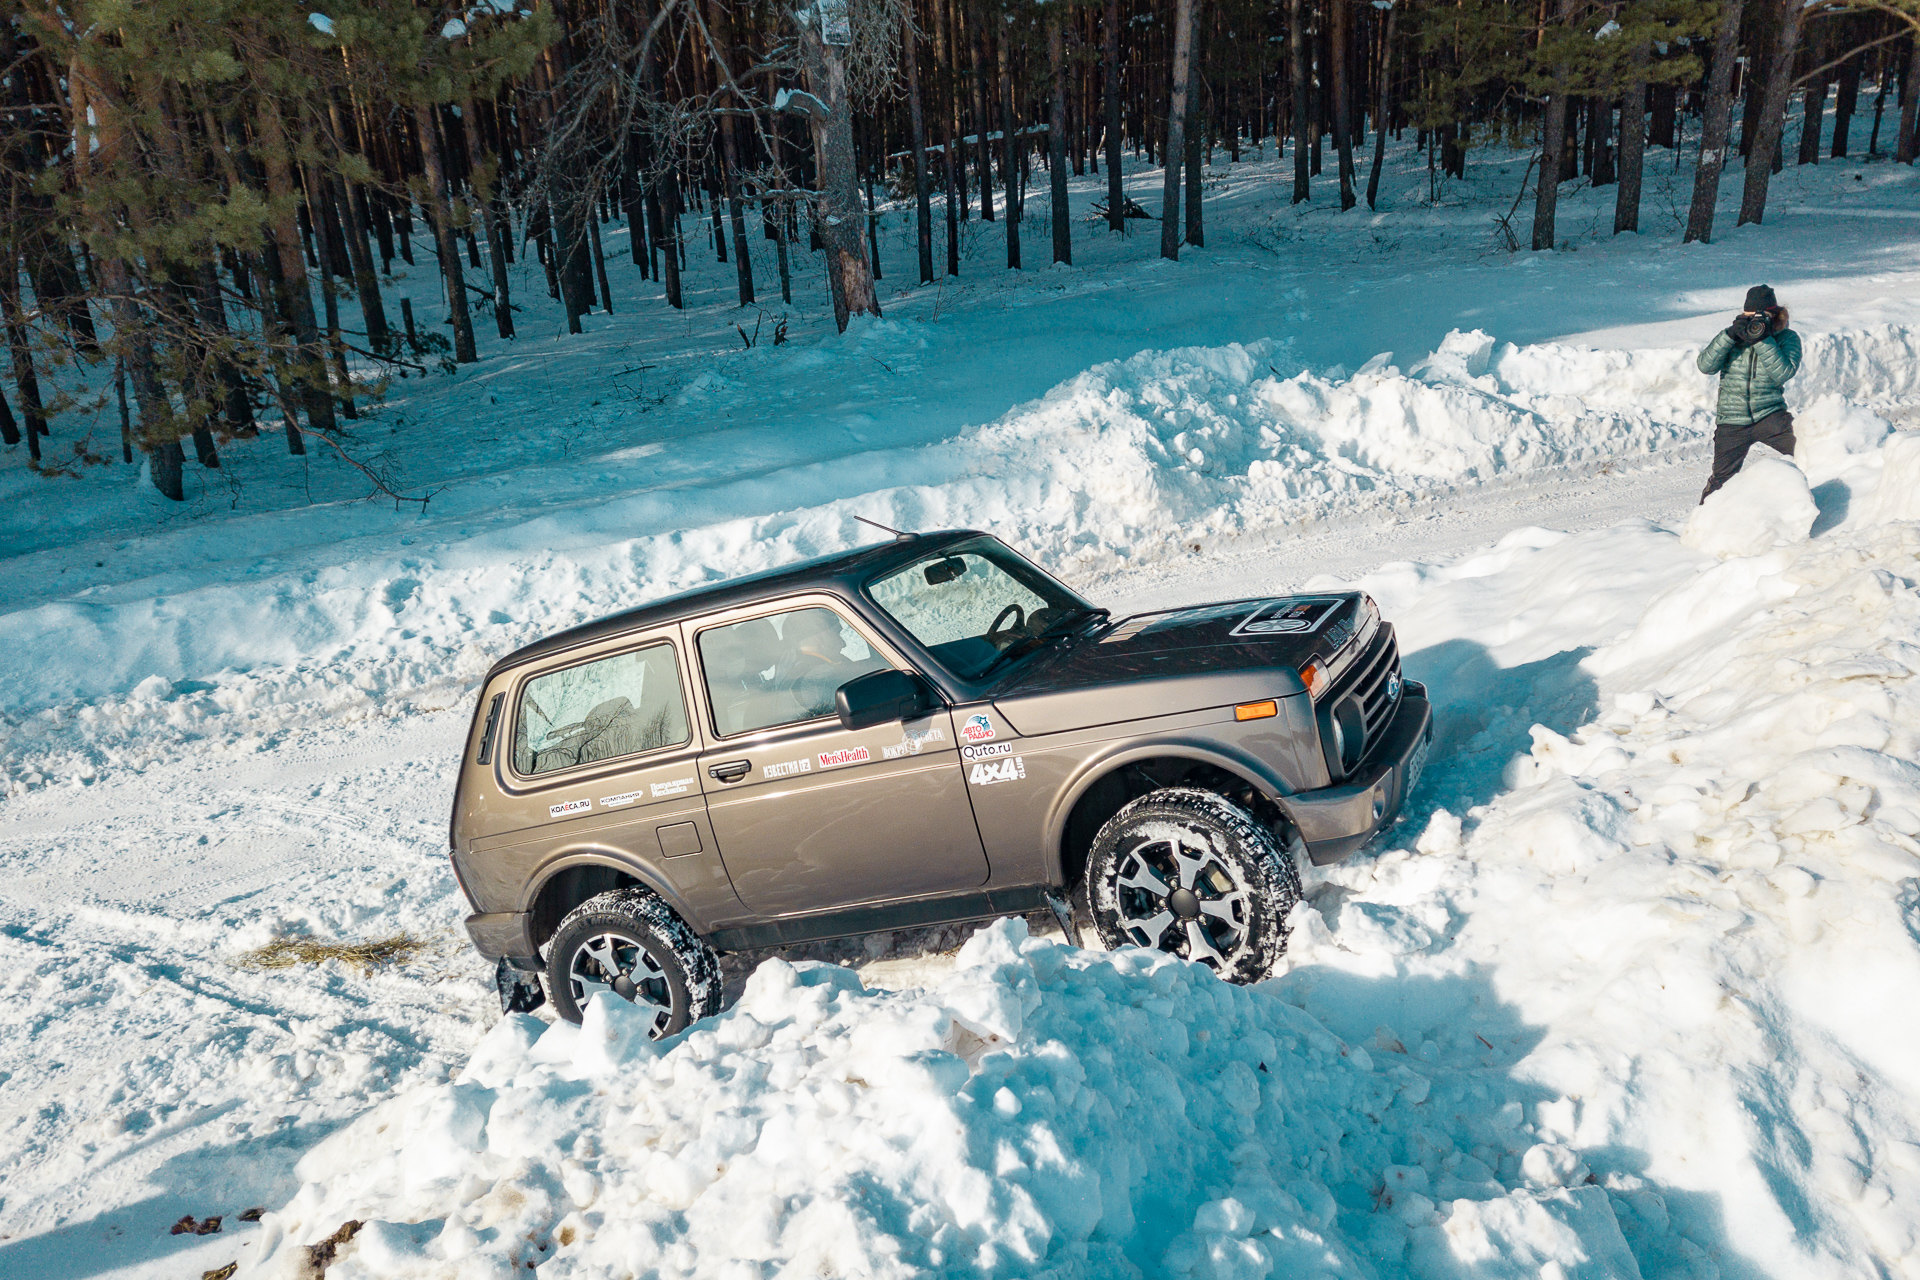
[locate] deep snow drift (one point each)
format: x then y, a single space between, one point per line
1636 1014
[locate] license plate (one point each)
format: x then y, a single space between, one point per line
1415 763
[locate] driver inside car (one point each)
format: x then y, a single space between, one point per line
816 664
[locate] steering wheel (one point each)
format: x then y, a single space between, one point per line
995 633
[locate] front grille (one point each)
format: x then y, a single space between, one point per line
1377 690
1363 704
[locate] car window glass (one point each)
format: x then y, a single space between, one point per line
966 607
596 711
781 669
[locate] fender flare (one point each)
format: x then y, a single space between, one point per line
1255 773
593 855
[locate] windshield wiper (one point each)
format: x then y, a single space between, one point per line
1055 630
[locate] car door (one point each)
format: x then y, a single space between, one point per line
810 816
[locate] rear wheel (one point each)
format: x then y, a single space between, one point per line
1191 873
631 944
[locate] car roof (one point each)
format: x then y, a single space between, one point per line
842 571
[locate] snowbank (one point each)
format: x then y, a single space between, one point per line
1041 1111
1132 458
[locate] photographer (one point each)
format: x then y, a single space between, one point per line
1754 356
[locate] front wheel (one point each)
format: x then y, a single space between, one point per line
630 943
1191 873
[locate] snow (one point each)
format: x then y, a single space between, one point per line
1620 995
1768 504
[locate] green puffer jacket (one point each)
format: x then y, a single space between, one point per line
1751 379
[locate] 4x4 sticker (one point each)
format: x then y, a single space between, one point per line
566 807
987 773
977 729
984 752
786 768
1287 617
845 755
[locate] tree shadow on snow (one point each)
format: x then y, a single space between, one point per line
208 1181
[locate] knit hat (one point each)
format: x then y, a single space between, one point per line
1760 298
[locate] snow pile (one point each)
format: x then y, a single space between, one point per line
1041 1111
1767 504
1695 905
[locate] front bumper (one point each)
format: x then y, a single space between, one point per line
1337 821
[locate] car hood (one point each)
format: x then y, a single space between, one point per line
1180 660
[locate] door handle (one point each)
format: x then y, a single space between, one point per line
730 770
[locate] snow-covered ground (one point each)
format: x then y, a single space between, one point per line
1624 992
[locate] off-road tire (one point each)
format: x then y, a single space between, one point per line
661 959
1239 874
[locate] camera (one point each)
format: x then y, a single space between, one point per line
1749 328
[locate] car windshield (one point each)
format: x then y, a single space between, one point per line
977 606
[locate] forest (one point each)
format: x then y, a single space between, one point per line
201 201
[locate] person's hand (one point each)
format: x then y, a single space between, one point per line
1779 319
1735 336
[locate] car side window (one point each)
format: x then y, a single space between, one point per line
780 669
600 710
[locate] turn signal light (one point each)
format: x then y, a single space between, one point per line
1256 710
1314 676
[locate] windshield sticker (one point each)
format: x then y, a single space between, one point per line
977 729
1288 617
985 774
566 807
988 751
845 755
787 768
912 741
671 787
1127 630
622 800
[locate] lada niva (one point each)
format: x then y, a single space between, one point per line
926 730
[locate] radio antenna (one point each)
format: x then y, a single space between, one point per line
887 528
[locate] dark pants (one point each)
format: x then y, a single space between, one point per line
1730 444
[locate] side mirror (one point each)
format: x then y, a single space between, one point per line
880 696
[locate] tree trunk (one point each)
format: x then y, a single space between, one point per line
1813 110
235 406
922 189
837 214
1297 73
287 270
1340 38
1110 56
1633 150
983 146
1057 141
1766 142
25 380
1176 129
440 214
1845 99
1195 232
1909 141
330 251
498 237
1384 107
1666 103
1009 155
366 285
1716 124
1553 147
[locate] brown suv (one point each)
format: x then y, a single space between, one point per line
927 730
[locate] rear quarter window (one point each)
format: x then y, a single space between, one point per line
601 710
